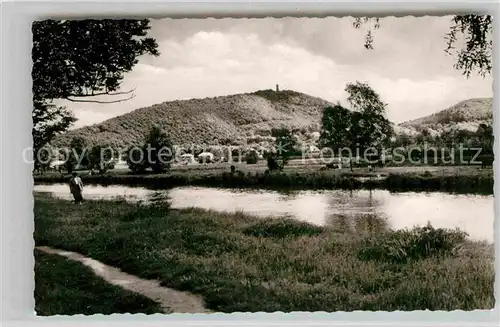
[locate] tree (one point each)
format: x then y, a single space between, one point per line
85 58
448 138
156 153
362 127
43 158
337 131
159 150
476 53
77 155
475 30
402 140
336 125
136 159
486 137
77 60
252 157
363 98
374 24
48 121
100 158
371 126
285 147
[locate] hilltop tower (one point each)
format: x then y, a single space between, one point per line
277 88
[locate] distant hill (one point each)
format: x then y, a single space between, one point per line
224 120
248 118
466 114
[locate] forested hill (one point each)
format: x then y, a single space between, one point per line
224 119
465 115
236 119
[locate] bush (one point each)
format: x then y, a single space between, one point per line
419 243
281 228
332 165
486 160
272 164
427 174
273 96
100 159
136 159
162 150
204 160
157 153
236 154
252 157
476 183
76 155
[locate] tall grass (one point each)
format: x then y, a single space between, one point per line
418 243
282 228
240 263
63 287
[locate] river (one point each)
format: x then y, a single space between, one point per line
472 213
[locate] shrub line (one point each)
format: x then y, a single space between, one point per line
459 183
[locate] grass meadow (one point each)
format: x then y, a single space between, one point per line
64 287
240 263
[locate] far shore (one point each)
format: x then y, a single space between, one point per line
456 179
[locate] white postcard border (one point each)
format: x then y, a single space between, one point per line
16 224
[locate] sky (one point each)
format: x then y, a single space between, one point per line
201 58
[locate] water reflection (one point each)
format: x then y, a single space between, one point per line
357 212
349 202
361 211
361 224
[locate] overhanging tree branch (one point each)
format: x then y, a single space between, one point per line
93 94
99 101
476 32
77 60
113 93
73 59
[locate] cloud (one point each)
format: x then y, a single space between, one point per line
240 57
89 117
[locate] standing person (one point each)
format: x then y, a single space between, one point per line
76 187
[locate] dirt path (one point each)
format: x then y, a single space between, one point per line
170 299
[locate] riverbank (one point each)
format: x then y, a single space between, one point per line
63 287
443 179
242 263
